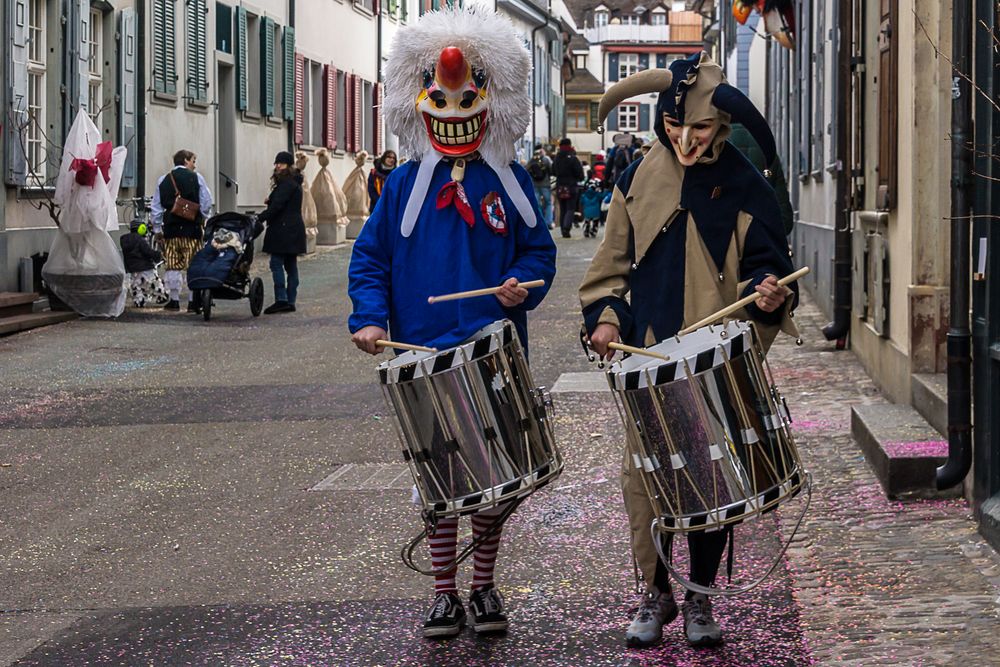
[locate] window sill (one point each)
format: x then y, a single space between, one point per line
196 106
32 192
275 121
251 117
164 99
364 11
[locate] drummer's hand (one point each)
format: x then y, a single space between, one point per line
604 334
510 294
772 295
365 339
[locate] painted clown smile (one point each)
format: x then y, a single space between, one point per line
452 133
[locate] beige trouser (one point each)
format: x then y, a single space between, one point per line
640 517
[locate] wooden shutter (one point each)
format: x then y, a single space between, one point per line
612 67
15 163
164 47
288 76
403 10
594 115
885 198
644 118
267 66
643 61
197 50
127 94
661 60
80 59
377 117
805 92
612 122
242 87
819 90
300 98
357 113
330 107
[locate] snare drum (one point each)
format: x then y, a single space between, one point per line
476 432
707 429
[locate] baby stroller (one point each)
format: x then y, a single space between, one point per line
221 269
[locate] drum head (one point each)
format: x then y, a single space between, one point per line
696 352
411 365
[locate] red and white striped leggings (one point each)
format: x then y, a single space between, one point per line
444 545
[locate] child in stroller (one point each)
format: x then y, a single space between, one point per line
221 269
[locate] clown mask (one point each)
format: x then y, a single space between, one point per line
691 140
453 104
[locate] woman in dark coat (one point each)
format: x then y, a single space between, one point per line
285 239
381 169
568 171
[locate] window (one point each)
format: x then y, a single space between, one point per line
35 137
580 61
253 64
366 4
600 18
628 117
658 18
95 65
315 102
577 117
628 64
630 19
342 110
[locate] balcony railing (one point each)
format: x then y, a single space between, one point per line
627 33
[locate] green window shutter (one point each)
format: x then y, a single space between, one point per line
16 32
242 95
288 76
164 46
403 6
267 66
170 47
197 50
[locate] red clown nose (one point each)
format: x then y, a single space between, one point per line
451 67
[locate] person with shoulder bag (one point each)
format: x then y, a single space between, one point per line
180 205
285 238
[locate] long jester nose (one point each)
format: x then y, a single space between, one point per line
451 68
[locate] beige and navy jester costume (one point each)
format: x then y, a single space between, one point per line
713 228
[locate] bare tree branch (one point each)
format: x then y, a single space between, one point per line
938 53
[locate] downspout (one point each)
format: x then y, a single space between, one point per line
291 125
841 324
959 335
534 86
142 95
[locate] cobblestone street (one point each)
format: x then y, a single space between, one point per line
168 501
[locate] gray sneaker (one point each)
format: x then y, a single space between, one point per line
699 626
655 610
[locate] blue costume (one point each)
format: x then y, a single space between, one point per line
391 275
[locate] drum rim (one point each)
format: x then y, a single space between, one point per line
409 365
682 524
698 363
457 507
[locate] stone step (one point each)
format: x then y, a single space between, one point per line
929 395
15 323
16 303
903 450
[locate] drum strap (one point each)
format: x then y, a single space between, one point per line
730 534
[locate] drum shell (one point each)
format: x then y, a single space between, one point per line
709 433
475 431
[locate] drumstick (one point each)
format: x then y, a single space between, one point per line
638 350
405 346
480 292
745 301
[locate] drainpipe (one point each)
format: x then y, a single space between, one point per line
534 87
959 335
291 125
142 95
841 324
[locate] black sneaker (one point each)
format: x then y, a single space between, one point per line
193 307
446 617
173 304
279 307
486 605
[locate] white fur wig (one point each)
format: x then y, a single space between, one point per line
491 44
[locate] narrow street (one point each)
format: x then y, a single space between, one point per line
230 493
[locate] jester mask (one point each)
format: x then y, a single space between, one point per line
456 86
